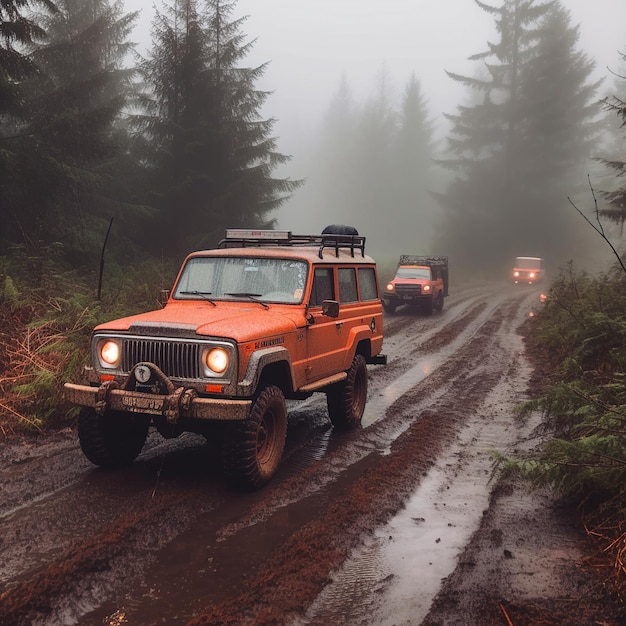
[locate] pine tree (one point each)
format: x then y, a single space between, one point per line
18 30
213 155
332 174
375 129
615 106
519 151
72 145
412 157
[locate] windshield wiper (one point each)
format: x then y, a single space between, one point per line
202 294
247 294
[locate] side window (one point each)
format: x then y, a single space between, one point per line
323 287
347 284
367 284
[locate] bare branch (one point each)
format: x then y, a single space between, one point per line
599 229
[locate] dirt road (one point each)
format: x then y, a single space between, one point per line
396 523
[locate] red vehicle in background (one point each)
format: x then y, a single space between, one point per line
419 281
528 269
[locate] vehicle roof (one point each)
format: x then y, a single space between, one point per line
532 258
311 254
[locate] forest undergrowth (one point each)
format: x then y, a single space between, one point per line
577 344
47 313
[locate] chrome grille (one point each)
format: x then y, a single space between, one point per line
175 359
408 290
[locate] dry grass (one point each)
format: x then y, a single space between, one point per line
31 348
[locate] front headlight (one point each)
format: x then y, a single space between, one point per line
389 287
109 353
426 287
515 274
532 274
216 361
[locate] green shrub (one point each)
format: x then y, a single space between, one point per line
579 339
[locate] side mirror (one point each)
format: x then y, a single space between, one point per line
330 308
163 297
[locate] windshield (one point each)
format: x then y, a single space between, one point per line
413 272
236 278
528 263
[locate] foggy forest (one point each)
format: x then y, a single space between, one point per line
114 165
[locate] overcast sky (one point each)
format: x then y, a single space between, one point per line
309 44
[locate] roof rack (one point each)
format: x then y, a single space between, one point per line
244 238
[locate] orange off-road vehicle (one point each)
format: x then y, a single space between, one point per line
420 281
266 316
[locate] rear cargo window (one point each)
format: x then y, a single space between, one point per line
367 284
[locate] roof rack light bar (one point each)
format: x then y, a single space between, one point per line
243 233
242 237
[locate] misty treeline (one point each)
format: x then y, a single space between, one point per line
171 146
530 134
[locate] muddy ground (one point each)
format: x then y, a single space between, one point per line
400 522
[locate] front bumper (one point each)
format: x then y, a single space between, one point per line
173 404
394 298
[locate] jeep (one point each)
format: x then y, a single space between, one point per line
419 281
527 269
266 316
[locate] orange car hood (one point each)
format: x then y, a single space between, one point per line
238 321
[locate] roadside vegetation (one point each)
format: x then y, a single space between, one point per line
47 313
577 343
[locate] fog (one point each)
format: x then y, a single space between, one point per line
310 46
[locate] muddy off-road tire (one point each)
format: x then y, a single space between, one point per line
438 305
346 400
113 439
252 449
428 306
389 307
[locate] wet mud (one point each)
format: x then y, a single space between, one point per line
399 522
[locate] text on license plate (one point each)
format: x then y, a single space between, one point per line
143 405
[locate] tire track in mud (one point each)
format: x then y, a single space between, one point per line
293 577
322 489
295 565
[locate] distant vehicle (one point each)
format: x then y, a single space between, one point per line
419 280
528 269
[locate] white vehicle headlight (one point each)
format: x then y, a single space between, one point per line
109 353
216 361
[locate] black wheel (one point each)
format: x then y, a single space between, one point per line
252 449
438 306
389 307
428 306
346 400
113 439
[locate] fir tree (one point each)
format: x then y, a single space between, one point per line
520 150
412 172
72 145
615 106
213 155
18 30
